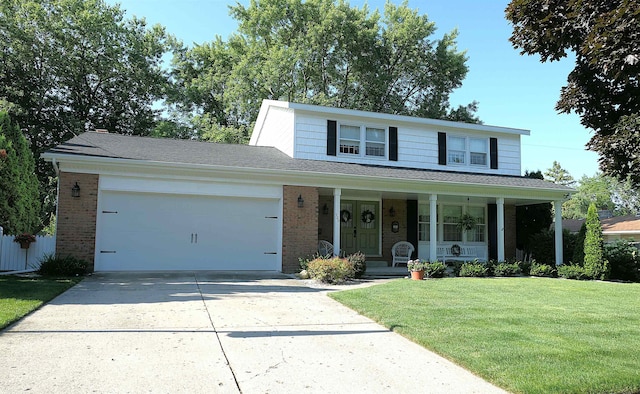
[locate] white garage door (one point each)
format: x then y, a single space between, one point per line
145 231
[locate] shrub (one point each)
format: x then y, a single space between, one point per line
623 259
572 272
491 266
304 261
359 263
507 269
435 269
474 269
578 251
541 270
51 265
595 266
525 267
333 270
456 266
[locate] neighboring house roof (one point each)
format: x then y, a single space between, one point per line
573 225
621 225
198 154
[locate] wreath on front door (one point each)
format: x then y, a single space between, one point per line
456 250
368 216
345 216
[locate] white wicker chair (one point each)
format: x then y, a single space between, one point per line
325 248
401 253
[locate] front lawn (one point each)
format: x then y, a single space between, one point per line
19 296
529 335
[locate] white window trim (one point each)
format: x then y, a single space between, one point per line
440 224
467 151
363 141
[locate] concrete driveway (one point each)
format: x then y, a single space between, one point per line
211 332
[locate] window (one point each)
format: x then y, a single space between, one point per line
355 140
478 151
452 232
375 142
477 234
350 139
457 150
461 150
424 221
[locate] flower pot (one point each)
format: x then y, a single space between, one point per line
417 275
25 245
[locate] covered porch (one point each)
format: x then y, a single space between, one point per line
443 225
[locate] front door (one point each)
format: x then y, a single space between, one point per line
359 229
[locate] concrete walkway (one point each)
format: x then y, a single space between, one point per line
214 332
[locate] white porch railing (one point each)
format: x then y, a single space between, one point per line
13 258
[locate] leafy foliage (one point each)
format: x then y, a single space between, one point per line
572 272
74 65
435 269
19 194
603 86
594 265
62 266
333 270
474 269
559 175
624 260
359 263
541 270
507 269
578 251
531 219
321 52
607 193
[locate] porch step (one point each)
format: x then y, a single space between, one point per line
377 264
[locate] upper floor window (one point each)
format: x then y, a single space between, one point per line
463 150
355 140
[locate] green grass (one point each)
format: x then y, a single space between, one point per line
526 335
20 296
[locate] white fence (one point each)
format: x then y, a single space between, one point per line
13 258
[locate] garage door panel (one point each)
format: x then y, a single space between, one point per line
172 232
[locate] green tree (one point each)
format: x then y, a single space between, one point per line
559 175
607 193
19 196
74 65
595 266
531 219
578 251
603 86
320 52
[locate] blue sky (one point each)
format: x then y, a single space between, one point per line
512 90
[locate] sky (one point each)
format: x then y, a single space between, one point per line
512 90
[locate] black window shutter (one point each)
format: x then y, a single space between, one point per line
412 225
331 137
442 149
492 212
493 153
393 143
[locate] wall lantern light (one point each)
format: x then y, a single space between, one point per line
392 212
300 201
75 190
325 209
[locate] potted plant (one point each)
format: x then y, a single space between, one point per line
467 221
24 240
416 267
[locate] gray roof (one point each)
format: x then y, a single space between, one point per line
107 145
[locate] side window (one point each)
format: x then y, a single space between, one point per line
456 150
375 142
350 139
478 151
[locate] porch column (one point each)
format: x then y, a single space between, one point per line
557 205
336 221
433 227
500 217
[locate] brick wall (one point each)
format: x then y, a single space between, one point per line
389 238
509 231
76 221
299 225
325 222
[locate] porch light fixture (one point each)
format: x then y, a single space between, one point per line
325 209
392 212
300 201
75 190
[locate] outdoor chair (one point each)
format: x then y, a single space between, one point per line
325 248
401 253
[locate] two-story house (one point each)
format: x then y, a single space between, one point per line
360 180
